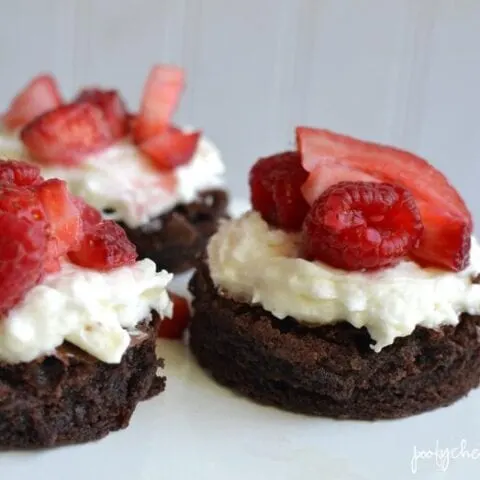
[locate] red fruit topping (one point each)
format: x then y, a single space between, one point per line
22 202
275 190
89 215
68 134
161 95
104 248
170 148
38 97
332 158
64 219
21 174
112 106
175 326
362 225
23 244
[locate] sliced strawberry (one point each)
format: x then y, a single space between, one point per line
322 148
170 148
112 106
161 95
175 326
38 97
21 174
64 218
67 134
89 215
332 158
104 248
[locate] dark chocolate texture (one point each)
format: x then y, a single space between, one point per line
330 370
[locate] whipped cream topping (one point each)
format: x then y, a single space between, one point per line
253 262
121 178
96 311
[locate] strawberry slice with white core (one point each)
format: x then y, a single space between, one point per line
65 220
170 148
161 95
68 134
39 96
331 158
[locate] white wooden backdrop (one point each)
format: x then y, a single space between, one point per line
400 71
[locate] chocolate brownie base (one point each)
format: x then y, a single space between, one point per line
330 370
72 397
175 240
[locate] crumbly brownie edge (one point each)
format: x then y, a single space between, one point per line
69 399
331 370
176 240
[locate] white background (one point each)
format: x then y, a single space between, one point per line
399 71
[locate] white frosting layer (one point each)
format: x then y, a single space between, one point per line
93 310
253 262
123 179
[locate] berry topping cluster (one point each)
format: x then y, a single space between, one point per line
59 133
41 223
361 205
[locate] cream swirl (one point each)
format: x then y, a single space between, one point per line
122 179
96 311
253 262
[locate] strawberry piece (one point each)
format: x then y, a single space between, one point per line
362 226
104 248
89 215
175 326
64 219
332 158
23 244
21 174
38 97
112 106
161 95
170 148
67 134
275 190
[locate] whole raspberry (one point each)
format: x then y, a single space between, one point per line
275 184
362 226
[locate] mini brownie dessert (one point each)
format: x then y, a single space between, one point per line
348 291
78 316
162 184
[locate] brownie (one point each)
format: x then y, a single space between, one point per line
330 370
176 239
71 397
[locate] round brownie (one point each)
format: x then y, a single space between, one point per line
176 239
329 370
71 397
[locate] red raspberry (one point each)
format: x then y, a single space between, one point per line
175 326
275 184
13 172
23 244
362 225
104 248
